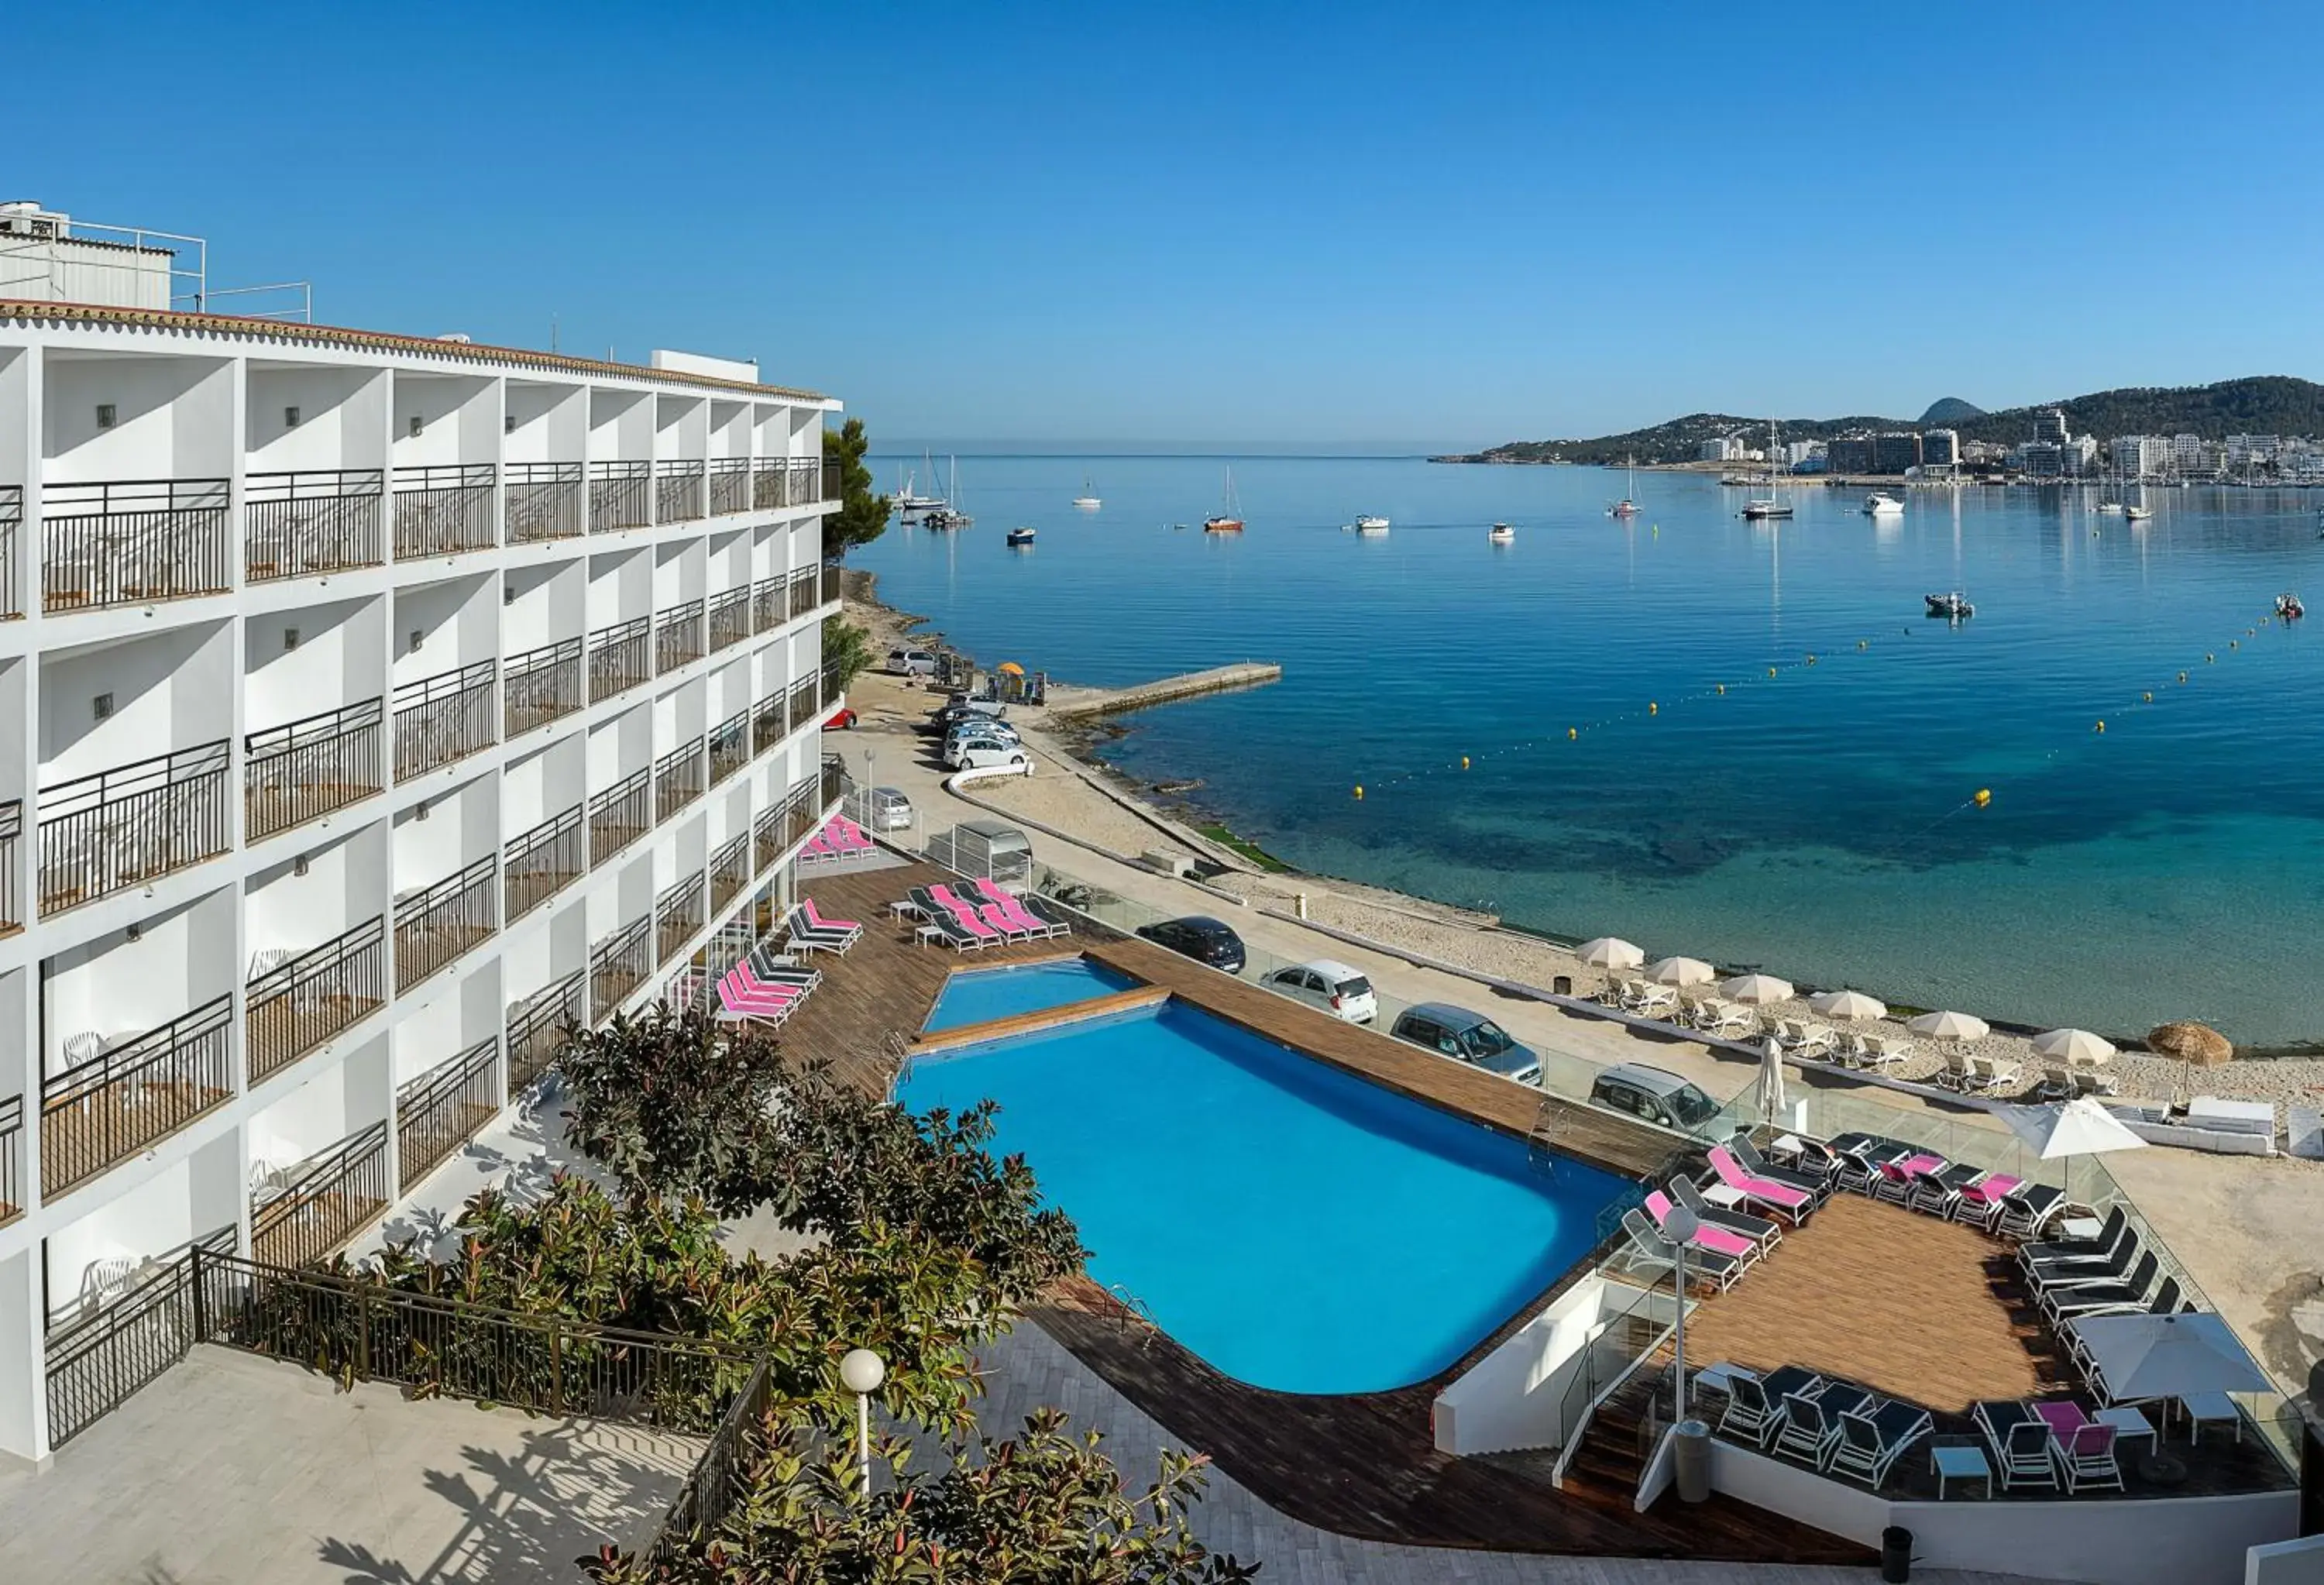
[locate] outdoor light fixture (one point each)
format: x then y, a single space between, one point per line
290 639
290 417
135 933
419 810
103 705
415 426
861 1371
508 423
298 865
108 415
417 634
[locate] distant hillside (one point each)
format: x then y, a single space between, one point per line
2264 404
1950 410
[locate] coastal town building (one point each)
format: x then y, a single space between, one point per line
2050 426
1939 448
1896 451
2141 457
1720 448
1849 454
370 704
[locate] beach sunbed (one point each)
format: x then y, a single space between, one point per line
1871 1443
1982 1202
2029 1208
2082 1272
1810 1421
1816 1185
2019 1440
2086 1457
2109 1234
1883 1049
1648 1250
1793 1203
1760 1229
1755 1405
2071 1301
1719 1240
1897 1178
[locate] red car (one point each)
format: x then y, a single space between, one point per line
841 722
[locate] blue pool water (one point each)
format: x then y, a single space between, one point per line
1299 1229
976 996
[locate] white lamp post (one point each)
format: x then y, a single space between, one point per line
861 1371
1680 1228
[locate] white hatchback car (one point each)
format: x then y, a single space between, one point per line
1335 987
975 751
905 662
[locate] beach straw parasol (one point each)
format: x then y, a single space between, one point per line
1682 971
1010 668
2194 1045
1610 951
1948 1026
2075 1048
1758 988
1848 1005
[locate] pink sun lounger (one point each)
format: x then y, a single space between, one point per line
1717 1239
1793 1203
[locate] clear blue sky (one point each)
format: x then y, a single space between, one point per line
1416 224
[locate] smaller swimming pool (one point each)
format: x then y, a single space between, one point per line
977 996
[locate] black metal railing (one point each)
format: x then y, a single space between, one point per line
443 718
302 1215
799 815
730 872
730 485
828 680
730 746
806 591
300 1003
801 702
620 495
541 500
540 685
677 637
434 926
441 1110
677 779
729 619
831 787
620 657
620 814
831 485
540 863
767 603
303 769
11 530
536 1029
12 1158
310 520
12 827
807 481
123 827
134 542
679 916
443 510
768 838
678 492
106 1354
714 1486
769 482
109 1107
618 965
833 578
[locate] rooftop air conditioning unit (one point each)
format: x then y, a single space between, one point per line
459 337
24 217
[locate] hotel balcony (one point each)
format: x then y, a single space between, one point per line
434 927
294 1004
443 718
540 686
769 836
112 1103
767 725
677 637
307 1211
12 531
730 746
134 542
12 827
730 872
678 492
301 523
12 1159
304 770
806 591
618 815
679 916
798 481
620 495
443 510
540 863
730 485
537 1027
123 827
543 501
618 965
442 1110
802 703
729 619
677 779
831 786
767 603
620 657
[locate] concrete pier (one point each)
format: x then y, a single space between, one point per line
1218 679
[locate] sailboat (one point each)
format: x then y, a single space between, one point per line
1087 500
910 503
1628 505
941 516
1229 518
1772 505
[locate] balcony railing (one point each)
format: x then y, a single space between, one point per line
730 872
767 603
303 1214
730 746
828 477
536 1028
802 703
12 827
806 591
436 925
618 815
769 482
767 725
677 779
768 838
730 485
134 542
11 530
111 1106
618 965
542 500
12 1158
729 619
831 581
443 510
679 916
540 686
620 495
110 1349
677 637
124 827
799 815
620 657
540 863
678 492
313 520
305 769
831 787
443 718
441 1110
295 1006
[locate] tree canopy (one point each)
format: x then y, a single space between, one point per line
862 515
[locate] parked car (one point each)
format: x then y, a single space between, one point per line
945 717
1200 937
1339 990
1467 1036
975 728
886 809
842 720
1648 1093
905 662
977 751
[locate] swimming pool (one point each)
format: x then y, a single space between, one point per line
975 996
1298 1228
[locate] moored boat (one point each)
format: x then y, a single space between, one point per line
1880 505
1229 518
1371 525
1953 606
1088 500
2138 514
2288 606
1500 534
1020 535
1767 506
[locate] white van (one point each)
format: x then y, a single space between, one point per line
905 662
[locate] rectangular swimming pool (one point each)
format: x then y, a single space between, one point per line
977 996
1299 1228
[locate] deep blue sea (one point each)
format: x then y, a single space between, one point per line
1819 821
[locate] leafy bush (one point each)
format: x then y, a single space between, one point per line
673 1104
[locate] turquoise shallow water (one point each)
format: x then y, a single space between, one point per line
1817 822
978 996
1256 1176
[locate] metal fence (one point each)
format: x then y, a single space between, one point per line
618 816
540 686
536 1029
730 618
730 872
312 520
102 1357
12 827
618 965
730 746
305 769
730 485
115 1103
677 637
443 718
541 500
714 1486
767 603
442 510
620 657
806 591
678 492
134 542
679 916
620 495
677 779
441 1110
123 827
767 725
540 863
12 1158
11 530
300 1003
307 1212
434 927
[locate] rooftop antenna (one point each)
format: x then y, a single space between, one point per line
552 332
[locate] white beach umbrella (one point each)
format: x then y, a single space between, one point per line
1948 1026
2075 1048
1848 1005
2081 1127
1760 989
1771 1083
1611 951
2169 1355
1682 971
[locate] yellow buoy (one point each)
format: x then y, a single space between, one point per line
1771 671
1722 689
1984 796
1653 708
1863 643
2099 727
1360 792
1811 660
1571 732
2182 677
2148 696
2210 659
1464 761
2235 643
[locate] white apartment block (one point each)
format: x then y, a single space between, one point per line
368 705
2141 457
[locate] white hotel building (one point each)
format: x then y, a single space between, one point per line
369 704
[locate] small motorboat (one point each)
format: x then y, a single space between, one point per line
2138 514
1088 500
1020 535
1501 534
2110 508
2288 606
1766 507
946 517
1371 525
1877 504
1952 607
1626 507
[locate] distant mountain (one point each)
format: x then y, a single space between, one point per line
2264 404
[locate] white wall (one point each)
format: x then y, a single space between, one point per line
173 418
113 986
2286 1562
342 419
170 691
341 659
